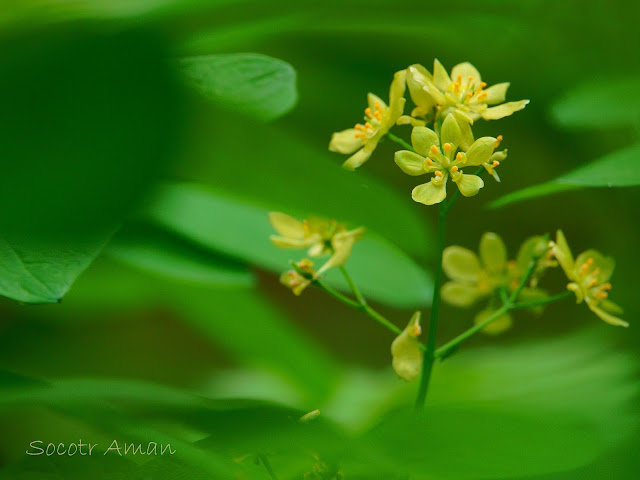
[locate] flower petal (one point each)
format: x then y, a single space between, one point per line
611 307
461 264
466 134
481 150
466 70
345 141
606 316
416 78
493 253
407 120
604 264
357 159
504 110
286 225
460 294
429 193
496 327
562 252
287 242
440 76
422 139
406 352
410 163
450 132
469 185
496 93
396 97
372 99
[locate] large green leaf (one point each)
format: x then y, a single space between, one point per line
617 169
242 231
88 121
253 84
158 251
599 104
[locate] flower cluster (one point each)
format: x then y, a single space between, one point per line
491 276
451 103
484 276
320 237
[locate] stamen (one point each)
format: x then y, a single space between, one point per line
378 115
483 84
459 156
495 163
447 146
470 78
469 94
438 174
603 295
434 149
368 125
429 161
459 77
498 140
377 105
590 261
454 169
483 95
359 127
367 111
359 135
606 286
416 330
592 283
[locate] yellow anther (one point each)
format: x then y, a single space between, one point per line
377 105
434 149
483 95
584 268
438 174
592 283
604 295
368 125
447 146
607 286
470 78
495 163
499 138
590 261
429 161
596 272
459 156
367 111
469 94
360 135
416 330
378 115
359 127
459 77
483 84
454 169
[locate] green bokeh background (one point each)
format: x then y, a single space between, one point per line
243 335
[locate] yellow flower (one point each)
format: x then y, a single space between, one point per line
442 160
406 352
319 236
294 281
378 119
589 278
476 277
462 93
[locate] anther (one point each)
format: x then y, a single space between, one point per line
377 105
470 78
429 161
367 111
499 138
434 149
454 169
469 94
368 125
590 261
459 77
495 163
438 174
447 146
416 330
459 156
483 84
378 115
359 135
592 283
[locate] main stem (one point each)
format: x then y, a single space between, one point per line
429 357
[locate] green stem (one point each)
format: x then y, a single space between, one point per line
337 295
447 347
364 306
429 355
527 275
400 141
542 301
267 466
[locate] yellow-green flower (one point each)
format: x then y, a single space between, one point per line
589 276
476 277
406 352
442 160
378 119
462 93
319 236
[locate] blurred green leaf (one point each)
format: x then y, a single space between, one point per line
253 84
599 104
88 121
255 333
616 169
242 231
157 251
